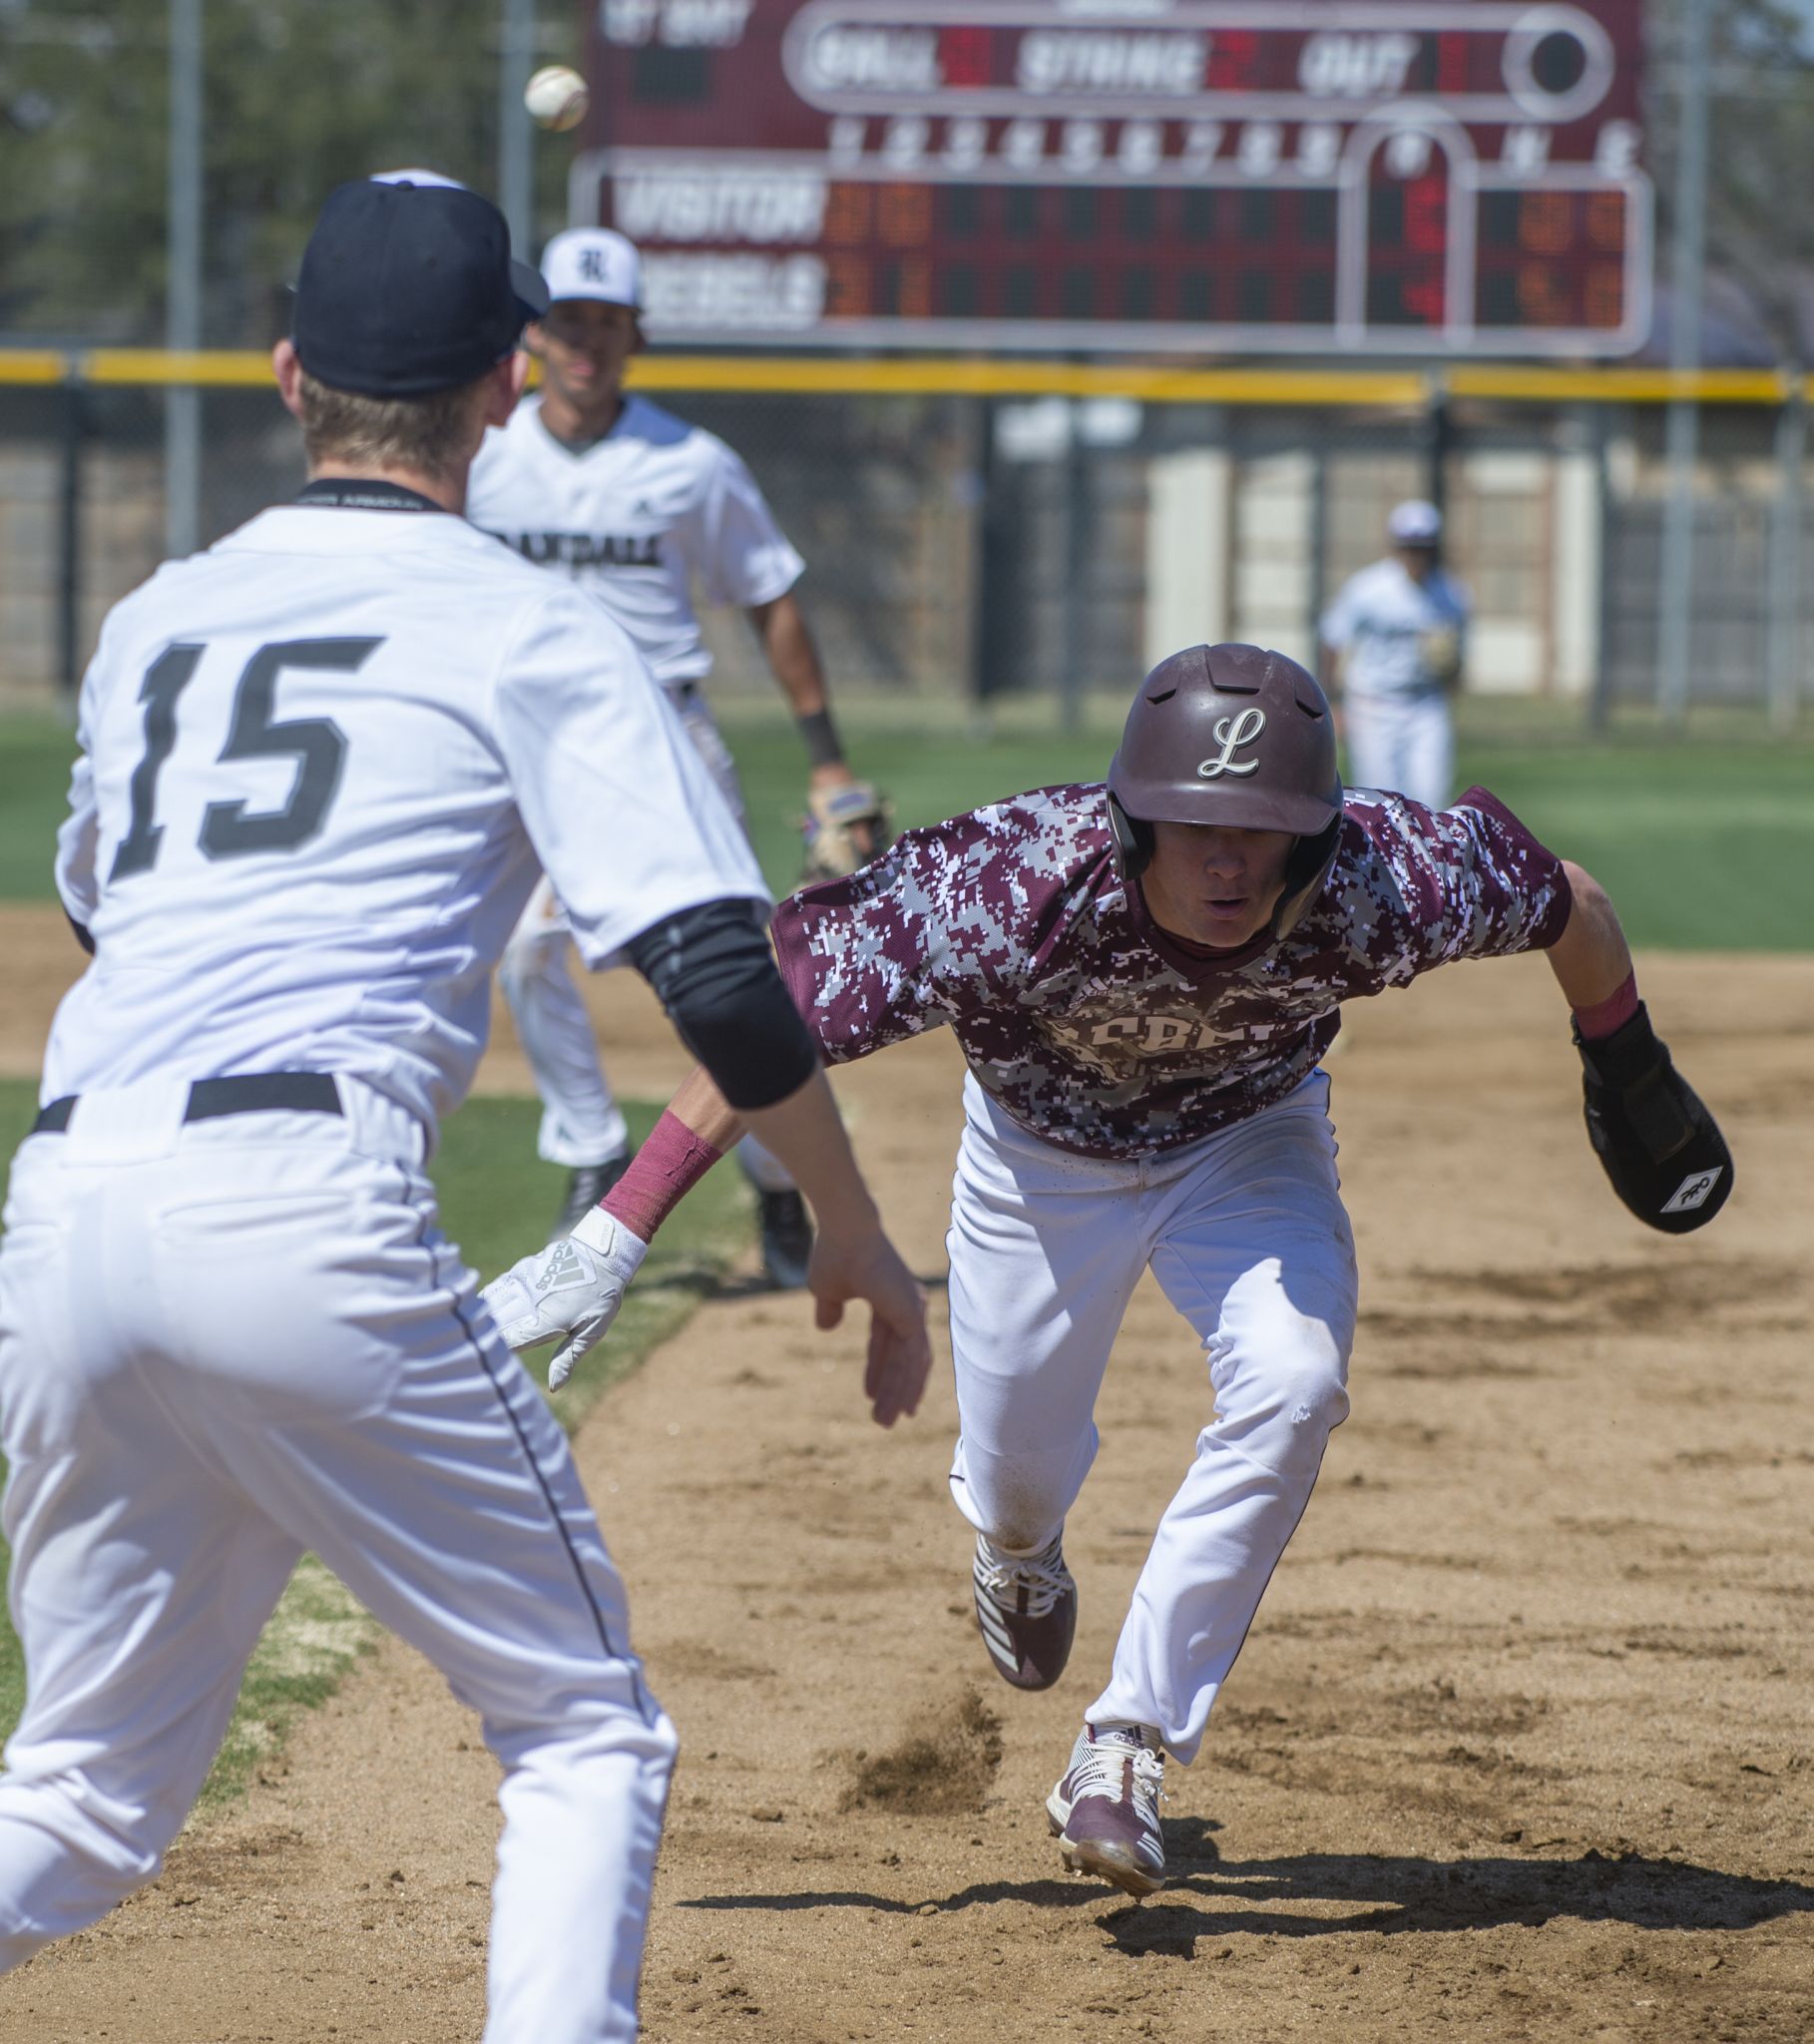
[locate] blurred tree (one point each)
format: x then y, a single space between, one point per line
1760 233
299 96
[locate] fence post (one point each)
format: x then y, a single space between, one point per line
1675 597
1785 553
74 425
1079 504
183 289
1317 581
516 137
1436 440
1599 700
986 679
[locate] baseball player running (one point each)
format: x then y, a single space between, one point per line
631 503
1396 634
321 766
1144 977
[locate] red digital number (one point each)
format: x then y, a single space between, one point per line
847 211
1426 215
1451 63
1425 297
964 55
1232 57
915 302
1541 298
904 214
847 287
1545 221
1606 294
1606 220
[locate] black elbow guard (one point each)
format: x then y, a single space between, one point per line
714 972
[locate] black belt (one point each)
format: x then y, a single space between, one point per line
240 1092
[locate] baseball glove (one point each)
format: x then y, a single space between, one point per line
1659 1145
1440 648
844 828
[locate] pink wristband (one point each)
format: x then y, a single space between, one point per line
661 1174
1603 1017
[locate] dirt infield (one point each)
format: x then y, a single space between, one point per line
1518 1749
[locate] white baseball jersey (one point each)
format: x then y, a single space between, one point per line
1380 620
301 844
633 518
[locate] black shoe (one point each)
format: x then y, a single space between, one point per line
588 1185
786 1240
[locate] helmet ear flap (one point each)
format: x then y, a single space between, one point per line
1133 841
1305 871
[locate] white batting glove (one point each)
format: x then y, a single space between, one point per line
568 1292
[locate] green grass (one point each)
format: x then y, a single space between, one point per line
35 752
1704 841
1700 851
497 1198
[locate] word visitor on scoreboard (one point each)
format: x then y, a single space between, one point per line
1205 175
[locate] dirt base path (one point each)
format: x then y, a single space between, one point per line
1518 1749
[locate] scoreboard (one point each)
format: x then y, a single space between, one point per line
1211 176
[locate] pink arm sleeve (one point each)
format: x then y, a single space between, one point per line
661 1174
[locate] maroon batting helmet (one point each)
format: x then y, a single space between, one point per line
1238 737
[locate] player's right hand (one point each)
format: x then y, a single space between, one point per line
568 1292
865 1264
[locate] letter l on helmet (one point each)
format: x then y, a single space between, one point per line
1234 736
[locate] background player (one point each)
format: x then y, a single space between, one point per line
635 504
1144 977
321 765
1396 637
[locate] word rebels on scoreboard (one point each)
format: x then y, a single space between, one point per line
1279 175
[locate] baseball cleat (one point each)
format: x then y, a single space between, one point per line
1025 1610
786 1240
1105 1810
586 1187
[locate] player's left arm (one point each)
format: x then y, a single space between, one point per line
743 557
1659 1145
1477 884
846 821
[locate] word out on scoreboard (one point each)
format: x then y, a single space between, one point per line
1253 176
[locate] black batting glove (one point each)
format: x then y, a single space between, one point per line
1659 1145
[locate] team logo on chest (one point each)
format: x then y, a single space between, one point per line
592 549
1231 733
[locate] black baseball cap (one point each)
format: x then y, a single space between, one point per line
408 289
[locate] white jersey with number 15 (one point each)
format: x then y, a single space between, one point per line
321 766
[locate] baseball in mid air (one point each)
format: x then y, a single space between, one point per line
556 97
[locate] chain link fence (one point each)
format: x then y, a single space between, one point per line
984 546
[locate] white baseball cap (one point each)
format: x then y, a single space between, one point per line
1415 523
416 177
593 262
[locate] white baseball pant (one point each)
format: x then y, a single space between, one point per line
223 1344
582 1122
1402 743
1248 1236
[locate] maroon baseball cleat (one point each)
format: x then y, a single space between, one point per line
1025 1610
1105 1813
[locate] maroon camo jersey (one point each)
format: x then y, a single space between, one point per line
1095 1030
